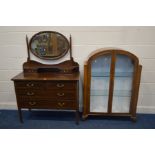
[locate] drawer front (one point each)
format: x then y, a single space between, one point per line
30 92
61 94
48 85
47 94
61 85
54 104
29 85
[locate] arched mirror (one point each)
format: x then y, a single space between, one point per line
49 45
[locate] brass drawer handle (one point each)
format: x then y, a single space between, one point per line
32 103
60 85
30 93
61 104
66 70
29 84
60 94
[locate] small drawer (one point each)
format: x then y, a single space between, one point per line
29 92
61 85
29 84
62 94
65 104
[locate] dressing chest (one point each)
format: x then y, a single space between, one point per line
48 86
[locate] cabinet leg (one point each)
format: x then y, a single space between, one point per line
84 117
20 115
77 117
29 109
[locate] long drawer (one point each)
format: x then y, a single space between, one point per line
53 104
48 85
57 94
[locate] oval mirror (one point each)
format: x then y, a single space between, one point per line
49 45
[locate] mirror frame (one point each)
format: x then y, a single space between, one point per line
49 58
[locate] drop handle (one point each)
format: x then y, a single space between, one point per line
32 103
60 94
61 104
30 93
29 84
60 85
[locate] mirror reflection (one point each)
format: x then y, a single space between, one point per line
49 45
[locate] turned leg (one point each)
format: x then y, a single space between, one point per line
77 117
20 115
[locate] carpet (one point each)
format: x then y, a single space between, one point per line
66 120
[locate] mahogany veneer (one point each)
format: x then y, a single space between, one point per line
47 91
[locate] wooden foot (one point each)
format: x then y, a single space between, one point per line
29 109
84 117
134 119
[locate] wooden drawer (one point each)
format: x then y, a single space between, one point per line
40 94
49 85
53 104
29 85
59 85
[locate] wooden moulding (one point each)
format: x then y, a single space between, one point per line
66 67
54 33
85 96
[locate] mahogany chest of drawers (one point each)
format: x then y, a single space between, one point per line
47 91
